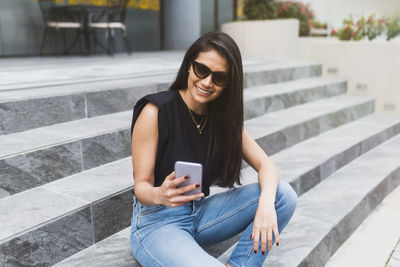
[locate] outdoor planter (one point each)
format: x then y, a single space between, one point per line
268 39
372 68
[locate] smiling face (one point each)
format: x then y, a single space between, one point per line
201 91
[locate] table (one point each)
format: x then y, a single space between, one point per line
84 13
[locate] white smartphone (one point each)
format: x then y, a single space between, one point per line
195 172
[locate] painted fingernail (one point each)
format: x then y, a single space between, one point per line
263 252
277 244
251 237
255 251
197 185
186 176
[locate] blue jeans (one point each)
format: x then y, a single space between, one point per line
173 236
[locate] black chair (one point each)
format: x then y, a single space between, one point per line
57 19
111 19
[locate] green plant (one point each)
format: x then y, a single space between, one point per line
349 31
259 9
371 27
297 10
392 26
319 25
269 9
319 29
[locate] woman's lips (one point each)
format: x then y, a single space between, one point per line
202 92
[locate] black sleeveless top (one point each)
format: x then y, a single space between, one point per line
178 138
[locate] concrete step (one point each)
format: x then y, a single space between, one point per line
35 157
38 104
111 252
310 166
28 159
282 129
21 74
328 213
357 251
60 224
304 166
103 205
268 98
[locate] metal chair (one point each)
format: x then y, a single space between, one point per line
111 19
56 19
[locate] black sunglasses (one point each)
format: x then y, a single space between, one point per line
219 78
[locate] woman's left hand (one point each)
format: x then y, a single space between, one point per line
264 224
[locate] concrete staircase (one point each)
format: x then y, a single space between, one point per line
66 174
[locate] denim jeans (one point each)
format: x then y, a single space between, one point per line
173 236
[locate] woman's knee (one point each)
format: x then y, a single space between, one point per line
286 197
253 192
285 193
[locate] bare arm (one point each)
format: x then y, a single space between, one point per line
265 221
258 159
144 151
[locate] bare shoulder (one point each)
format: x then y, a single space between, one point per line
150 110
147 120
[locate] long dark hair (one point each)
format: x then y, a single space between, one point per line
226 111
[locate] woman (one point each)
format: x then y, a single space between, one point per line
200 119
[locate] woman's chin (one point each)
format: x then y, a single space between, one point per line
202 97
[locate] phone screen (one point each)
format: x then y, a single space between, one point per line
195 172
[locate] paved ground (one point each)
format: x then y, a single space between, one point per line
21 73
38 72
376 241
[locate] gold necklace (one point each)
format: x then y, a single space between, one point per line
198 125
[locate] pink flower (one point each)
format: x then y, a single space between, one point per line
309 23
289 4
347 28
302 10
333 32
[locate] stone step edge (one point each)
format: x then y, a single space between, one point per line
317 256
127 114
329 164
292 180
276 99
84 103
253 181
85 204
278 94
267 141
165 76
125 234
269 90
324 120
157 72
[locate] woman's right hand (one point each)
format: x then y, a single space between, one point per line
168 195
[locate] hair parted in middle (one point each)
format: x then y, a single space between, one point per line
226 111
